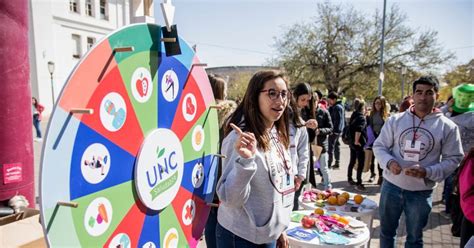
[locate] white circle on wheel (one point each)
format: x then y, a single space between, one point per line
159 169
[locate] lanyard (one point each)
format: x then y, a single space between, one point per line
271 164
281 154
415 130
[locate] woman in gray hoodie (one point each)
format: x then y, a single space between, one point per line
256 188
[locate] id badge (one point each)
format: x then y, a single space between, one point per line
412 151
289 194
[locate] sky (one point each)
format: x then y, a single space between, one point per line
242 32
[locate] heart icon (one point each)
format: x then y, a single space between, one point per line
142 86
190 108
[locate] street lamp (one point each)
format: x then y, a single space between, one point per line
51 71
381 77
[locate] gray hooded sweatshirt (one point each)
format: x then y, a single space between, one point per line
251 207
441 149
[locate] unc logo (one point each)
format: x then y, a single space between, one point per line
159 169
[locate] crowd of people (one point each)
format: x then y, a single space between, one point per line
278 139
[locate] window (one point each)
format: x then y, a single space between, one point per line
76 46
89 8
74 6
90 42
103 10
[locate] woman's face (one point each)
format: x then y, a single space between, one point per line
303 100
378 105
273 100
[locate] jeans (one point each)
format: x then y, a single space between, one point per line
357 152
334 149
36 124
324 168
210 231
415 204
226 239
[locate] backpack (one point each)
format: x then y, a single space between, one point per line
346 135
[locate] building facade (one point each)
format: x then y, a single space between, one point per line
62 31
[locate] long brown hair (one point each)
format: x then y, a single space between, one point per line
383 110
249 117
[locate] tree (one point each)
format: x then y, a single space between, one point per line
460 75
342 46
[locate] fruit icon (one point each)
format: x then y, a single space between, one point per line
198 138
102 214
142 86
190 108
358 199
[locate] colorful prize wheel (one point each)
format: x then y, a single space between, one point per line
142 165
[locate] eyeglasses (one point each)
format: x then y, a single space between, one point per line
275 94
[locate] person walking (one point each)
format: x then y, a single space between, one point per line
256 188
336 110
37 110
417 149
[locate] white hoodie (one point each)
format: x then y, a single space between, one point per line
441 149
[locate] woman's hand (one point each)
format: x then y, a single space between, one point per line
246 144
283 241
312 124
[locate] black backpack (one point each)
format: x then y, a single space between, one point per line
346 135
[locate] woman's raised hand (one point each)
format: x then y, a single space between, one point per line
246 144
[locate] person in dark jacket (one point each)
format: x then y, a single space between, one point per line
336 110
357 125
324 129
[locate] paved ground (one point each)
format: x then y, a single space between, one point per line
436 234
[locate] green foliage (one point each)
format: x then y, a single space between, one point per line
340 49
459 75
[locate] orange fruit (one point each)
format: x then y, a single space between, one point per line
319 211
358 199
341 200
345 195
343 220
332 200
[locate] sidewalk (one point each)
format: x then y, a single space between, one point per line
436 234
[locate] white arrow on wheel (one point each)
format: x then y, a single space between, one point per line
168 13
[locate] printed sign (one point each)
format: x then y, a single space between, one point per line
12 173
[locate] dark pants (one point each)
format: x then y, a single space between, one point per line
447 191
36 124
312 177
334 149
210 231
467 231
296 205
226 239
372 168
357 152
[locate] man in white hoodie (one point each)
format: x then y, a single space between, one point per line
417 149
